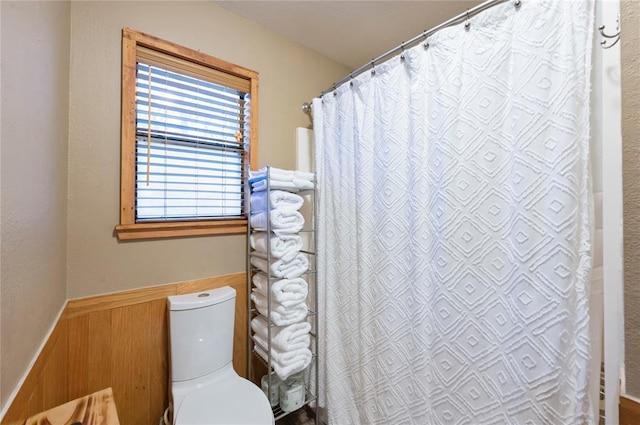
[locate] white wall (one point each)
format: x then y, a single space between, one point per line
35 119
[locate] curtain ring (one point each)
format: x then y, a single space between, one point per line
467 24
426 40
402 54
517 4
373 67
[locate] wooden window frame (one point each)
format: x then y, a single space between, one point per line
128 229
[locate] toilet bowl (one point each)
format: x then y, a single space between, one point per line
204 386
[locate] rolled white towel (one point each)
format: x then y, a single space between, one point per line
277 199
282 303
299 344
287 364
291 337
283 269
261 301
280 315
284 247
287 292
283 221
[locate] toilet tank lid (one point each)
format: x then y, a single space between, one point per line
201 299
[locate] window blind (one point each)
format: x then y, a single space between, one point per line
190 149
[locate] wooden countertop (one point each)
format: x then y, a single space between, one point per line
98 408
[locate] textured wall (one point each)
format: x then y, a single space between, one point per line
289 75
630 24
35 87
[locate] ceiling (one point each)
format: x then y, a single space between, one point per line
349 32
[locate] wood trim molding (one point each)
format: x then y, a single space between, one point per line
211 282
253 137
127 128
88 305
629 411
117 340
137 231
80 306
135 43
195 56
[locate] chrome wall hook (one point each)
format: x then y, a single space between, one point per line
610 40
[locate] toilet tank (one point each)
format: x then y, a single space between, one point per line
201 332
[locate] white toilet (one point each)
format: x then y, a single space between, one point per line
205 388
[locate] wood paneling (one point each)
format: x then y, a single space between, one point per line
234 280
119 299
629 411
55 378
90 353
158 360
119 341
130 370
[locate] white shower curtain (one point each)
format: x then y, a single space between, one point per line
454 226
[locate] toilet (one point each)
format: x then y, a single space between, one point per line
206 390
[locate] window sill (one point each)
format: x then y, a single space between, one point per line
159 230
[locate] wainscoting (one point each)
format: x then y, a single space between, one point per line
629 411
118 340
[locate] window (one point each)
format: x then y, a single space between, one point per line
189 129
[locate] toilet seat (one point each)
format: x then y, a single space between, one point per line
231 400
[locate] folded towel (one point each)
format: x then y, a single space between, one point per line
283 221
285 247
277 199
286 364
261 301
286 292
292 186
280 174
280 315
283 357
284 301
281 179
283 338
298 344
283 269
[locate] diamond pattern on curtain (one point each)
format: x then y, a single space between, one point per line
454 226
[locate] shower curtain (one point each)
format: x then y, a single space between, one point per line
454 226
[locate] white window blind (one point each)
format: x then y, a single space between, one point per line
190 145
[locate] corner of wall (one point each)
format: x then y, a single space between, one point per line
35 83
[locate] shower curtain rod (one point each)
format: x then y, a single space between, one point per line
463 17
